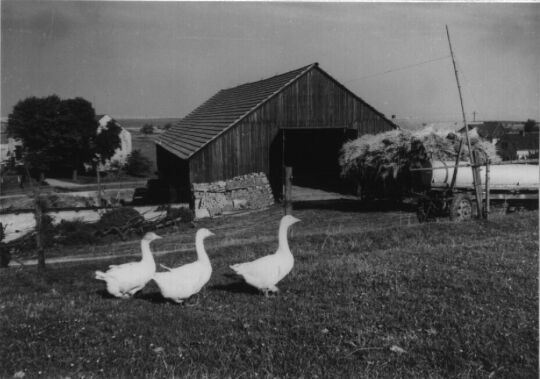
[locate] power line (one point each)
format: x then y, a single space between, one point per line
399 68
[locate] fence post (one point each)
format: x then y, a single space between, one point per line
288 190
486 210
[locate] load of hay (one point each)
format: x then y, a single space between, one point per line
380 163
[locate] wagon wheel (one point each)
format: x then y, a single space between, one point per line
424 211
461 208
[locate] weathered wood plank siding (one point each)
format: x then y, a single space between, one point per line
314 100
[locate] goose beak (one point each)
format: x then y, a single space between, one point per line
296 219
211 234
158 237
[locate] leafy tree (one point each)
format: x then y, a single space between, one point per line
167 126
147 129
137 164
107 141
59 133
529 126
33 121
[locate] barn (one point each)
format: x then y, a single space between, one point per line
300 118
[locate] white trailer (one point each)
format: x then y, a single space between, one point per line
446 189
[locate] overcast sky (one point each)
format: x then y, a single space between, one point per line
149 59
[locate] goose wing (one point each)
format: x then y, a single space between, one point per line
261 273
130 275
181 282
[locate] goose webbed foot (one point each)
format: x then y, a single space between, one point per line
193 303
270 291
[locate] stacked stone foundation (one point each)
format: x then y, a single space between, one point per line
251 191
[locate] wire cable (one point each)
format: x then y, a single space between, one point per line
399 68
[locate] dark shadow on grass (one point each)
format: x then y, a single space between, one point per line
236 287
346 205
153 297
104 294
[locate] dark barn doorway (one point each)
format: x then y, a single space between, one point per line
314 156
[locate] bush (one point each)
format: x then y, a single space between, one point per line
137 164
184 214
76 232
119 218
147 129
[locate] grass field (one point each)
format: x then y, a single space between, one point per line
431 300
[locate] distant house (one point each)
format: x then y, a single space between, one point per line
518 146
491 131
494 130
125 148
10 148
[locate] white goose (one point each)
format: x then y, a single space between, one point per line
126 279
182 282
264 273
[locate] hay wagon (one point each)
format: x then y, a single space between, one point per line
444 189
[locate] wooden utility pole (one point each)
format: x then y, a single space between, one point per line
288 190
476 176
38 215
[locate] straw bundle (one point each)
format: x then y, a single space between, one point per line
381 162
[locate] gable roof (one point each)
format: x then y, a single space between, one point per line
225 109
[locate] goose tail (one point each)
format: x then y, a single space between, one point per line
100 275
237 268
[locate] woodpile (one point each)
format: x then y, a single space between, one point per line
251 191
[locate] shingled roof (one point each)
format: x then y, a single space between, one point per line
226 108
222 111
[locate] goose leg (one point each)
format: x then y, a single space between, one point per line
192 304
135 290
274 289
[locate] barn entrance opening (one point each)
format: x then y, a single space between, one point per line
314 156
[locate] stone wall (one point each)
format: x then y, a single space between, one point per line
251 191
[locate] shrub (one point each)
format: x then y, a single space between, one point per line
147 129
76 232
137 164
184 214
119 218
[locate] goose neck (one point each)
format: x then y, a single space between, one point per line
146 252
282 238
201 252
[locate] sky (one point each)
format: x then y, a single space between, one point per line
163 59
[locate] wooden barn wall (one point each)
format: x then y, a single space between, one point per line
313 101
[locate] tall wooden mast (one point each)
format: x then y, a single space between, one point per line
475 173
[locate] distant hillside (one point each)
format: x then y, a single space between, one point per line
137 123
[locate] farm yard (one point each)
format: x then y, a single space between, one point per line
322 205
372 294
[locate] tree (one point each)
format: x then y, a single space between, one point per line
106 142
32 121
56 133
147 129
529 126
137 164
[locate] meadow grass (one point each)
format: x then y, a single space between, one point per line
432 300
